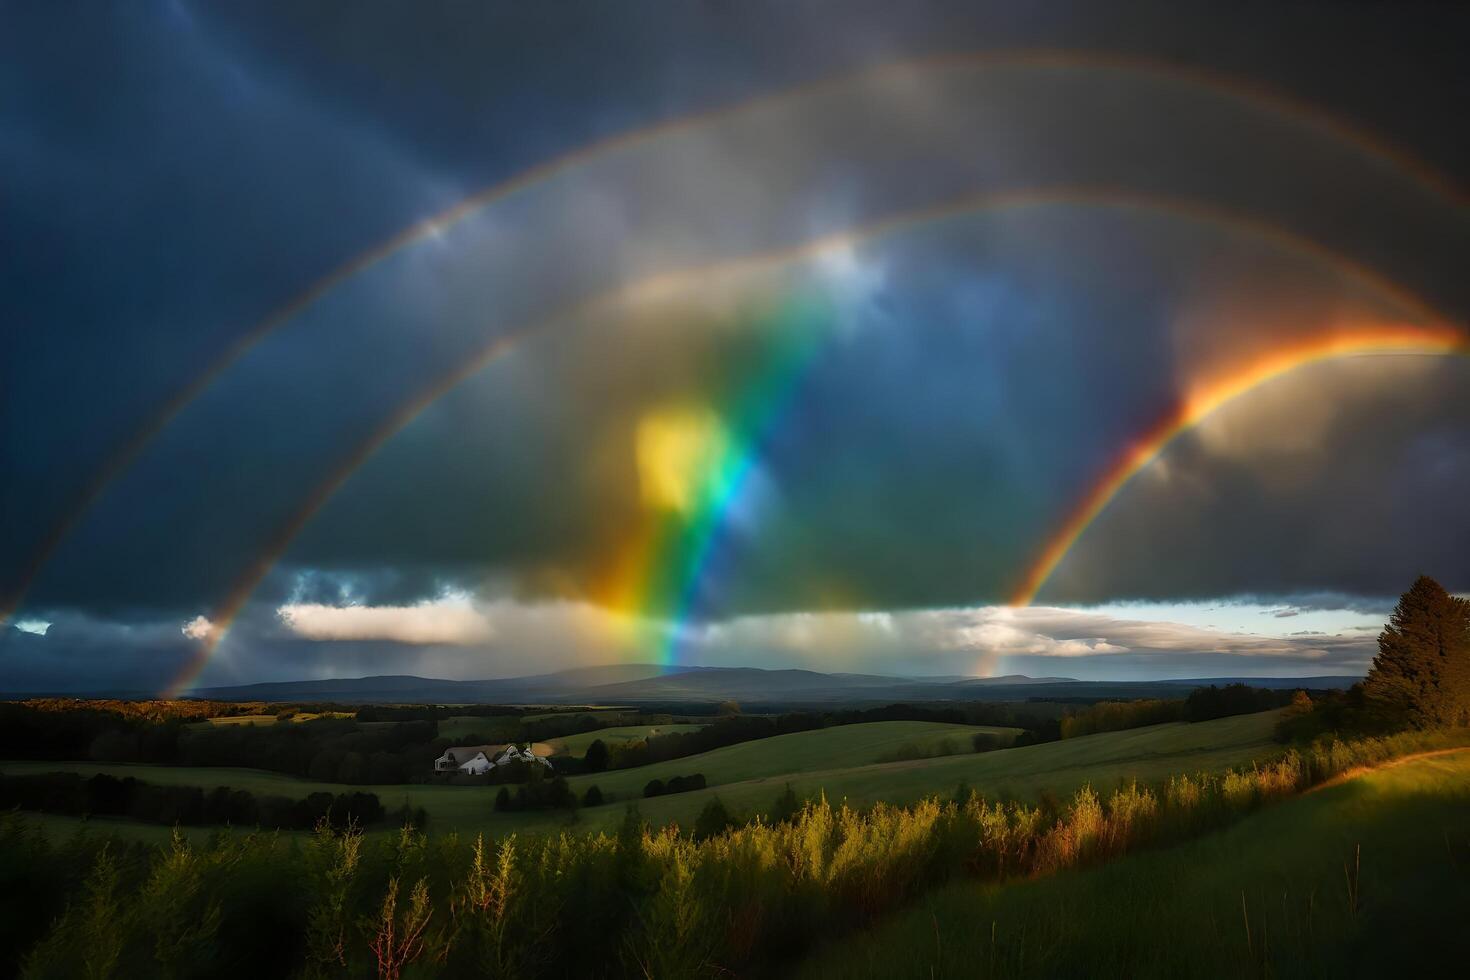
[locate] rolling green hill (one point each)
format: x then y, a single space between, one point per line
1368 877
835 761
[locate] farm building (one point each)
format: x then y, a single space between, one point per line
480 759
468 758
514 753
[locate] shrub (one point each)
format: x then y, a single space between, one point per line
987 742
714 819
787 807
593 797
933 750
654 787
683 784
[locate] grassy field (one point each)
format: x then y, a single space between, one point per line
835 761
1369 877
577 744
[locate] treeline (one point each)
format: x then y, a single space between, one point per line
107 796
1202 704
434 712
42 731
642 902
562 725
1206 703
1115 716
326 749
154 711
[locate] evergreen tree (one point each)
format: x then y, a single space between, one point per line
597 757
1422 672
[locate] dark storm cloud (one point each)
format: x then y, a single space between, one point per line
83 653
176 172
234 468
1350 478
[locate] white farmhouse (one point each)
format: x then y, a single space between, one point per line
473 759
476 760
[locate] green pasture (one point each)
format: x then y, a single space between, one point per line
1369 877
834 761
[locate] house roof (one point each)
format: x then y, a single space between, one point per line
460 754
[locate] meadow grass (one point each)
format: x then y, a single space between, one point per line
1368 877
832 761
749 900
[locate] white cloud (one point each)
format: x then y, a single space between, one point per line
36 626
199 628
984 640
452 620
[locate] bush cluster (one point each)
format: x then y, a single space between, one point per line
676 784
537 793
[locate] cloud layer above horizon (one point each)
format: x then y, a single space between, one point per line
1021 263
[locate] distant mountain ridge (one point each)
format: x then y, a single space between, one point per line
649 683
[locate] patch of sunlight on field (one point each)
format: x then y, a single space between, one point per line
1368 877
232 721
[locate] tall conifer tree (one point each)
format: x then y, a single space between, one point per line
1422 671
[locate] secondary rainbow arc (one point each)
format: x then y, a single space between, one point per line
1220 83
681 281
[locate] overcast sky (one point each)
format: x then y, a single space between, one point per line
794 374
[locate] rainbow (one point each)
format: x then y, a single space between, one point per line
1221 84
687 281
1205 399
661 574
